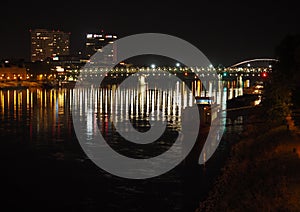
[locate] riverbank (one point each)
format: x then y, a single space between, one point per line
262 172
11 85
17 85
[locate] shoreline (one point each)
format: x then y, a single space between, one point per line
11 85
19 85
260 173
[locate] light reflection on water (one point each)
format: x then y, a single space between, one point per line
43 117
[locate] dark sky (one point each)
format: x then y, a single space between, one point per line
225 31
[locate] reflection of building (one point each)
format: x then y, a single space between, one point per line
47 44
95 43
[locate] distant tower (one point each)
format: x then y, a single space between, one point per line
48 44
95 43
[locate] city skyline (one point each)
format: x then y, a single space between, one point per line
226 36
196 108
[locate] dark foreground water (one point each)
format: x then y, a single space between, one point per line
44 168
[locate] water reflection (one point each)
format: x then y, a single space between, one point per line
38 114
43 118
46 113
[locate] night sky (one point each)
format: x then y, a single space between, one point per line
226 32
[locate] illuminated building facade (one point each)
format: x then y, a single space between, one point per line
13 73
13 70
66 67
48 44
95 43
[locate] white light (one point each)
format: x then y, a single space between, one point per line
89 35
59 69
270 66
152 66
248 64
97 36
177 64
210 66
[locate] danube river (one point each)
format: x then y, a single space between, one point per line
44 167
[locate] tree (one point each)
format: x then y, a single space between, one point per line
282 88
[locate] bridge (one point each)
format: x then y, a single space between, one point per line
247 68
247 72
260 62
235 80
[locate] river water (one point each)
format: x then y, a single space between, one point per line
44 167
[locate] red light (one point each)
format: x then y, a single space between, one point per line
185 74
264 74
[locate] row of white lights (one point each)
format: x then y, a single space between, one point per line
173 69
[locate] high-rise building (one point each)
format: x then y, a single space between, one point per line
48 44
95 43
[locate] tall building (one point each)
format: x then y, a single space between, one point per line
48 44
95 43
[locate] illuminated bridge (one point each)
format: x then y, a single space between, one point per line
256 63
246 69
250 68
235 80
